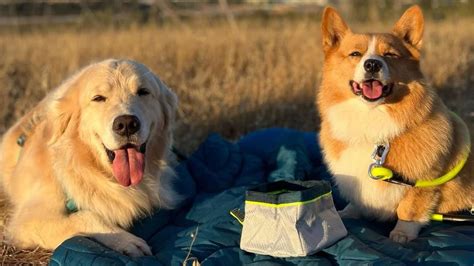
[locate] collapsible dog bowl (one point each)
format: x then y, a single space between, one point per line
290 219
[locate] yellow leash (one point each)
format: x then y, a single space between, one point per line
379 172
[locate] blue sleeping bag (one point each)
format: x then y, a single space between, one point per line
213 181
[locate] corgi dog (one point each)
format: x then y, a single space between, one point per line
373 97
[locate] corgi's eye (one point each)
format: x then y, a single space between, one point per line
99 98
142 92
390 54
355 54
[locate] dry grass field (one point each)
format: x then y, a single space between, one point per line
230 81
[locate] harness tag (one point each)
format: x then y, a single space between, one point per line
376 169
380 153
21 140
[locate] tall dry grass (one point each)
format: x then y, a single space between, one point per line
227 82
231 82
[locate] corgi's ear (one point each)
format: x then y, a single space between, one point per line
410 26
333 28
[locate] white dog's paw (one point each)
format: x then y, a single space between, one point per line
125 243
405 232
350 211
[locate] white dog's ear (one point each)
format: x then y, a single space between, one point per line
410 26
169 102
333 28
63 110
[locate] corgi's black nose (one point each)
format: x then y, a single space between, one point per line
372 65
126 125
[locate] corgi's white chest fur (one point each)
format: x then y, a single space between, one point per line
356 121
362 126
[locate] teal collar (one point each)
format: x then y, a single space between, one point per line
71 206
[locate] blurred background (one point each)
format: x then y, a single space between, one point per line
85 12
236 65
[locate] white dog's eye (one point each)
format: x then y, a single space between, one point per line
142 92
99 98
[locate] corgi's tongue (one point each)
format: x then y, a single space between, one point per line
372 89
128 166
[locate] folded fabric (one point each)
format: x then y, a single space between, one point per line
237 166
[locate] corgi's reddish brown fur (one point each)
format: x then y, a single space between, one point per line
372 92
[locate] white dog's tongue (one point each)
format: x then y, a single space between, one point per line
128 166
372 89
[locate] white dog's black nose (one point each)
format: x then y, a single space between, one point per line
372 65
126 125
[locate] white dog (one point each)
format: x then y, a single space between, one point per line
89 158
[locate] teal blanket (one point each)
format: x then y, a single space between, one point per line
213 181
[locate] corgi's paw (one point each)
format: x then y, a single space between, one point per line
401 237
350 211
405 232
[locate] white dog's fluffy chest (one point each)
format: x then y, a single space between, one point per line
362 127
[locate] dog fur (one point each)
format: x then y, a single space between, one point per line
65 155
426 139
